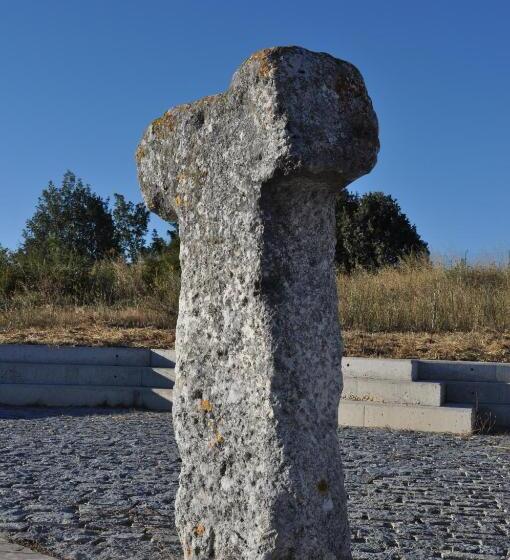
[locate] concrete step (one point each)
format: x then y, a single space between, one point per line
457 419
372 368
86 395
161 358
441 370
40 354
494 416
73 374
388 391
491 399
478 392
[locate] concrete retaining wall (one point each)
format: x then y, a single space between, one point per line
82 355
401 394
81 376
454 419
397 370
441 370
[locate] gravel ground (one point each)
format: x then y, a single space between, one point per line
100 485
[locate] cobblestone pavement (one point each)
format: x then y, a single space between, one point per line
100 485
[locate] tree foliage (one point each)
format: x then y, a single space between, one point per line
5 270
74 218
162 256
75 240
131 222
372 231
71 218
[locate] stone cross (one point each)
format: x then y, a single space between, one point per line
252 175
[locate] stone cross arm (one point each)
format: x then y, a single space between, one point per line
287 111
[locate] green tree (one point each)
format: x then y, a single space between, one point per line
131 222
52 272
74 218
4 256
372 231
166 251
6 272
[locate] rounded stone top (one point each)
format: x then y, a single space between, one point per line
287 111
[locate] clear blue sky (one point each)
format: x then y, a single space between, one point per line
80 80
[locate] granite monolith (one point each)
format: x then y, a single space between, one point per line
252 175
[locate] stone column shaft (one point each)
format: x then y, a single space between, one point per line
252 175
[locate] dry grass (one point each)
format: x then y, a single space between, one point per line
414 311
421 297
478 346
140 325
86 326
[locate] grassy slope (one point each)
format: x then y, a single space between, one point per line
415 310
480 346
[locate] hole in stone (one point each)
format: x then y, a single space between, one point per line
199 119
322 486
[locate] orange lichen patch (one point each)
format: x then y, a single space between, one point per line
140 153
178 200
206 405
207 100
199 530
322 486
265 66
164 124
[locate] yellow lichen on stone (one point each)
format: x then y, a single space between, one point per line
163 124
207 99
178 200
217 440
199 530
140 153
206 405
265 66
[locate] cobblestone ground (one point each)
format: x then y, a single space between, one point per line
100 485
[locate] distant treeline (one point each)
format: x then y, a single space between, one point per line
79 249
83 258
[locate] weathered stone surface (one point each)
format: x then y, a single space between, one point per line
252 176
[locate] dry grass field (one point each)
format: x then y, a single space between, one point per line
415 310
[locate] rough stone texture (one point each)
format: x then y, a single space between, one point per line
252 176
100 485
